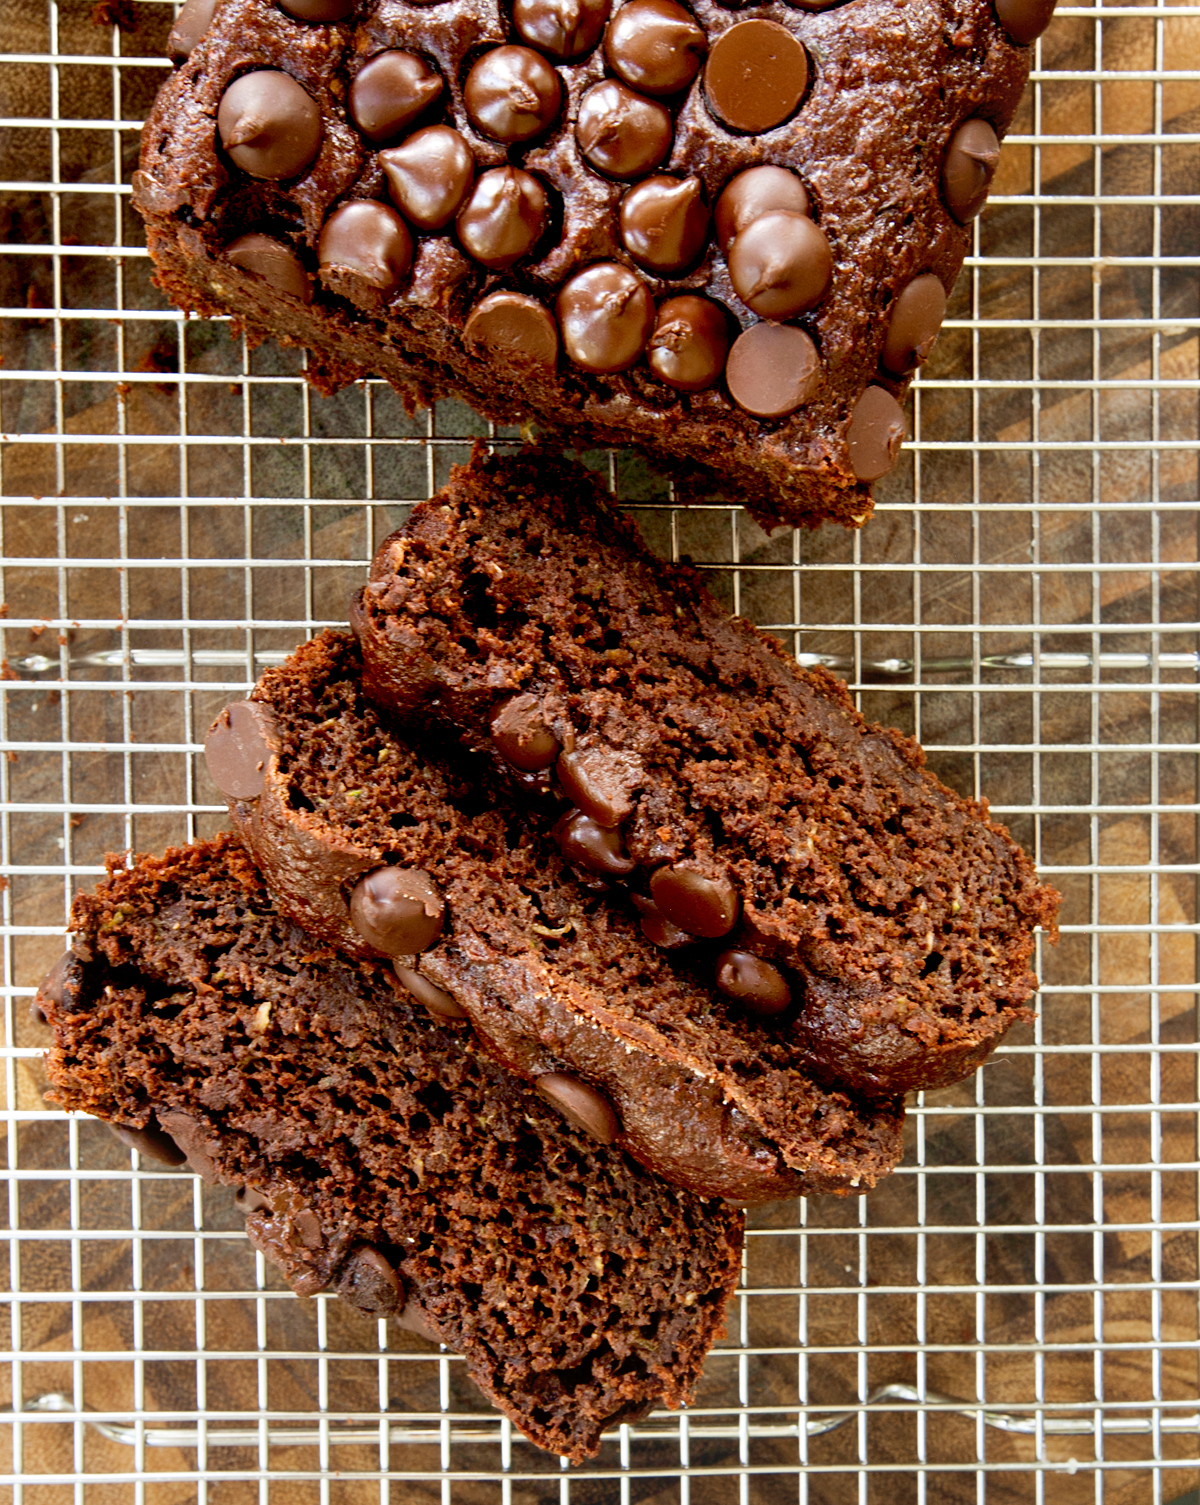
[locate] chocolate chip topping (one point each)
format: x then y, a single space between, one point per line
513 324
772 370
51 990
191 23
753 193
780 265
366 242
875 434
917 316
657 929
600 780
655 46
248 1199
755 984
580 1104
389 92
269 125
320 11
521 735
237 749
755 76
707 907
591 846
504 217
606 315
664 223
1024 20
441 1005
512 94
397 910
970 166
622 134
429 175
564 29
369 1282
190 1137
151 1143
690 342
278 265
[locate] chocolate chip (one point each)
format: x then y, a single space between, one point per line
269 125
512 324
657 929
600 781
440 1004
429 175
755 76
367 1281
753 193
521 735
875 434
606 315
191 23
397 910
152 1143
318 10
238 748
754 983
504 217
780 265
248 1199
655 46
192 1138
565 29
51 991
664 223
389 92
415 1319
622 134
772 370
707 907
365 242
1024 20
512 94
913 328
690 342
307 1225
970 166
278 266
592 846
580 1104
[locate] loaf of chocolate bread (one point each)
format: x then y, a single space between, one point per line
817 870
384 1160
726 238
376 851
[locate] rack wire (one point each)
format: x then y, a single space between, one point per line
1015 1314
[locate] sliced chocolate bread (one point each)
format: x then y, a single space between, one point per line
810 859
383 1158
375 850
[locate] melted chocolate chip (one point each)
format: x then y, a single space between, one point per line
657 929
707 907
591 846
389 92
772 370
875 434
191 23
151 1143
512 94
248 1199
397 910
512 324
269 125
780 265
564 29
238 748
319 11
415 1319
441 1005
600 782
606 315
655 46
664 223
190 1136
307 1224
755 76
366 242
51 991
622 134
755 984
970 166
913 328
689 343
753 193
278 266
580 1104
521 735
429 175
1024 20
504 217
369 1282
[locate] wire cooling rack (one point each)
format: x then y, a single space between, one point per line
1015 1314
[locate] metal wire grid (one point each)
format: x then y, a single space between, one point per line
1015 1313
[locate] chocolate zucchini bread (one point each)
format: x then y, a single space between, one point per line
383 1159
726 238
378 852
806 859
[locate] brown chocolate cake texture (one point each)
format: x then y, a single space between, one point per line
724 236
377 851
382 1159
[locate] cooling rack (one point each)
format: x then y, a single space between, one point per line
1015 1315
